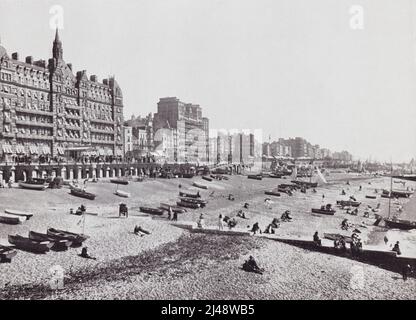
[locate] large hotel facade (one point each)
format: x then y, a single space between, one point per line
48 111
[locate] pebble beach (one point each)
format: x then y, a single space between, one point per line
172 263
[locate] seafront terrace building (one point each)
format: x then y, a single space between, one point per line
47 112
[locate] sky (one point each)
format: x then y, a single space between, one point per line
315 69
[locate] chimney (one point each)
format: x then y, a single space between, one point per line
69 66
15 56
29 60
105 81
40 63
93 78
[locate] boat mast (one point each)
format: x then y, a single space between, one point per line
391 185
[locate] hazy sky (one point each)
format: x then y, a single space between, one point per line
289 67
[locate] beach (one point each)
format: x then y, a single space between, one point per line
172 263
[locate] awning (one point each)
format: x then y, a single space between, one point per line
46 150
7 148
119 153
109 152
101 152
60 150
20 149
33 150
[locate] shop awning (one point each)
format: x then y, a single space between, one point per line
101 152
20 149
33 150
119 153
46 150
60 150
7 148
109 152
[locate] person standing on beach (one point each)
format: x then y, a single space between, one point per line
406 270
175 216
220 222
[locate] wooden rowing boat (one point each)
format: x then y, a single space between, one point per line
371 197
122 194
27 244
189 195
348 203
201 186
175 208
57 243
7 253
11 219
400 224
83 194
119 181
188 204
27 215
155 211
206 178
329 212
255 177
32 185
272 193
201 202
275 175
76 238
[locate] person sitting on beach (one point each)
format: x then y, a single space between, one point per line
344 224
84 254
286 216
314 190
354 212
352 198
137 230
231 197
231 223
396 248
256 228
366 214
316 239
343 192
275 223
241 214
246 205
251 266
201 221
348 183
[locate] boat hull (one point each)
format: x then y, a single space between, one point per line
153 211
27 215
272 193
83 194
325 212
32 186
400 224
76 238
119 181
27 244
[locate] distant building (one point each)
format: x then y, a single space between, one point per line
128 141
142 135
190 131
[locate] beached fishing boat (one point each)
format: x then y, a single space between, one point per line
202 203
189 195
188 205
398 193
33 185
201 186
83 194
348 203
289 186
188 175
11 219
400 224
6 253
27 244
272 193
371 197
175 208
255 177
285 190
155 211
305 183
76 238
276 175
122 194
27 215
329 212
119 181
58 244
206 178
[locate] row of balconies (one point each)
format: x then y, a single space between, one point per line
34 123
33 136
33 111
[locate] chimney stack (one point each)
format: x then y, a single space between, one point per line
15 56
93 78
69 66
29 60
